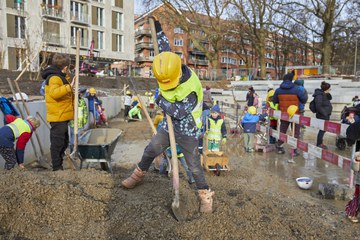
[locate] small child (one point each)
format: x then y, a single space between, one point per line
249 122
351 118
273 120
92 101
216 130
181 158
82 118
135 111
159 117
127 103
352 208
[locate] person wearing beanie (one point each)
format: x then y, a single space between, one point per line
288 94
215 129
323 106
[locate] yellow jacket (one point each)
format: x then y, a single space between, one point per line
59 100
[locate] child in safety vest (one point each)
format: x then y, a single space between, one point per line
181 158
127 103
273 120
82 118
216 130
249 122
20 130
135 111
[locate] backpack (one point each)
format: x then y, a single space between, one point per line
312 106
7 107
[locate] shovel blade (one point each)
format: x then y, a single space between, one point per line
179 213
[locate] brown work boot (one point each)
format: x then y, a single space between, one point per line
206 200
136 177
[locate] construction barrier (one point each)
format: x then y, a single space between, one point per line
327 126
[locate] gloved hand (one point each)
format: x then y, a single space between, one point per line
223 141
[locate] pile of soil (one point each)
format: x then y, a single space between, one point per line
249 203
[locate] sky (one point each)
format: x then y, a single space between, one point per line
138 7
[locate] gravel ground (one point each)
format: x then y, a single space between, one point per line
249 203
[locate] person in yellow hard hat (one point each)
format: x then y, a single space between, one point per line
93 102
135 111
127 103
248 122
182 99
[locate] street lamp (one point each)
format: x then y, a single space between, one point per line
227 62
355 56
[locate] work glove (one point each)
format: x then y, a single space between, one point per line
223 141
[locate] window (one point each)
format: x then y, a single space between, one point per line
178 30
269 55
117 43
100 40
118 3
78 12
178 42
100 16
152 53
83 36
269 65
179 54
228 60
241 62
119 21
20 27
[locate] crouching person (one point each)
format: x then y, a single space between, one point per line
20 130
181 98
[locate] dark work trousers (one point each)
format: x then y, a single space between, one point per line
188 146
126 111
59 140
320 137
284 125
8 153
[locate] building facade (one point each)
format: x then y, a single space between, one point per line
237 60
32 30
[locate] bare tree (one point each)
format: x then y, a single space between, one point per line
256 17
316 16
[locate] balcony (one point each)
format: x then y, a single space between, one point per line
144 59
144 45
15 5
201 62
79 17
54 12
197 52
84 43
53 39
142 32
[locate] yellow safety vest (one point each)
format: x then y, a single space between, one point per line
183 90
214 132
275 107
19 127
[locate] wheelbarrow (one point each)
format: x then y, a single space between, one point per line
215 161
97 145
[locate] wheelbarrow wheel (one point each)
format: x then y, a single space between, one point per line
104 166
217 169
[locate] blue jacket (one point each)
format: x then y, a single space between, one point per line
92 101
249 122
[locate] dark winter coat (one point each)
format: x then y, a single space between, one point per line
322 104
288 94
250 96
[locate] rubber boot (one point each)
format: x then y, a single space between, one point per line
206 200
136 177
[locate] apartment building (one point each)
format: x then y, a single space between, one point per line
34 29
237 59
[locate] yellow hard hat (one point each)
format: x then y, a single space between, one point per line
271 93
150 93
92 90
167 70
291 110
128 92
139 105
135 98
252 110
146 93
